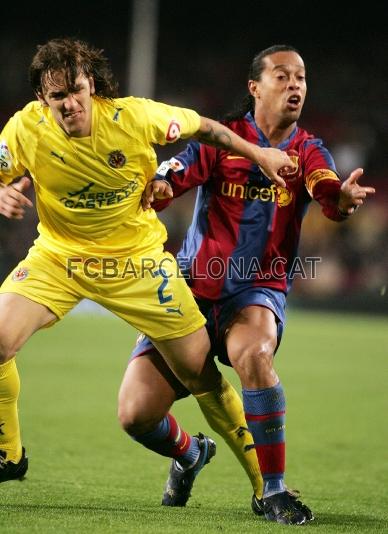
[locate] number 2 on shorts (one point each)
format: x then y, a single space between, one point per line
162 298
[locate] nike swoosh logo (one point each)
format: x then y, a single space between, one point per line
235 157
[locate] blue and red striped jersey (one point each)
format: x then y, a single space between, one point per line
245 230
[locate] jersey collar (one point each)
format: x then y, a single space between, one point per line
263 141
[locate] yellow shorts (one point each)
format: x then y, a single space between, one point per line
149 293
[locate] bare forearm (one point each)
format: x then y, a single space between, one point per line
215 134
270 160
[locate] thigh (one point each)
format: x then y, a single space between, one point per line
144 347
20 317
223 314
189 359
253 325
251 341
148 389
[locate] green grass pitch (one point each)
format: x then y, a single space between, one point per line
87 476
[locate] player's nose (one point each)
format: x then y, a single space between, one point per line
69 101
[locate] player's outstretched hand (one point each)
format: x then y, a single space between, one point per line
275 164
12 200
352 194
155 190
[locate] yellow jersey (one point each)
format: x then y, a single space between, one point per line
88 189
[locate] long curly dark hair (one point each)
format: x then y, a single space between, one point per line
255 72
73 57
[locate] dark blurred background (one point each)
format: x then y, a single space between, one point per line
203 50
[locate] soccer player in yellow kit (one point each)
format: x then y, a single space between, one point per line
90 156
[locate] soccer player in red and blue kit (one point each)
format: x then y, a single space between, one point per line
238 257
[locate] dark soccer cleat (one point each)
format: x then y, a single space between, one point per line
180 482
11 471
257 505
286 509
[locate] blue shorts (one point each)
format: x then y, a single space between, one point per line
219 316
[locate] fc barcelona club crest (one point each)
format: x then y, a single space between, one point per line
20 274
117 159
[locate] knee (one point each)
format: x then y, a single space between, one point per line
190 361
133 420
246 351
196 356
203 379
252 361
128 417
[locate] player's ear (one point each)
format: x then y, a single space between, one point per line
40 97
253 87
91 85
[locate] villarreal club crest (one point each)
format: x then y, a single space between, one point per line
116 159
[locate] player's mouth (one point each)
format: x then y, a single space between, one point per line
71 116
294 102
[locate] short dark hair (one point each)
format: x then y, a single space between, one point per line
73 57
255 71
257 65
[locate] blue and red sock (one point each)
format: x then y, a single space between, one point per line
168 439
265 415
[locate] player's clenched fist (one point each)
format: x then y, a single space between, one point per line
275 164
156 190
